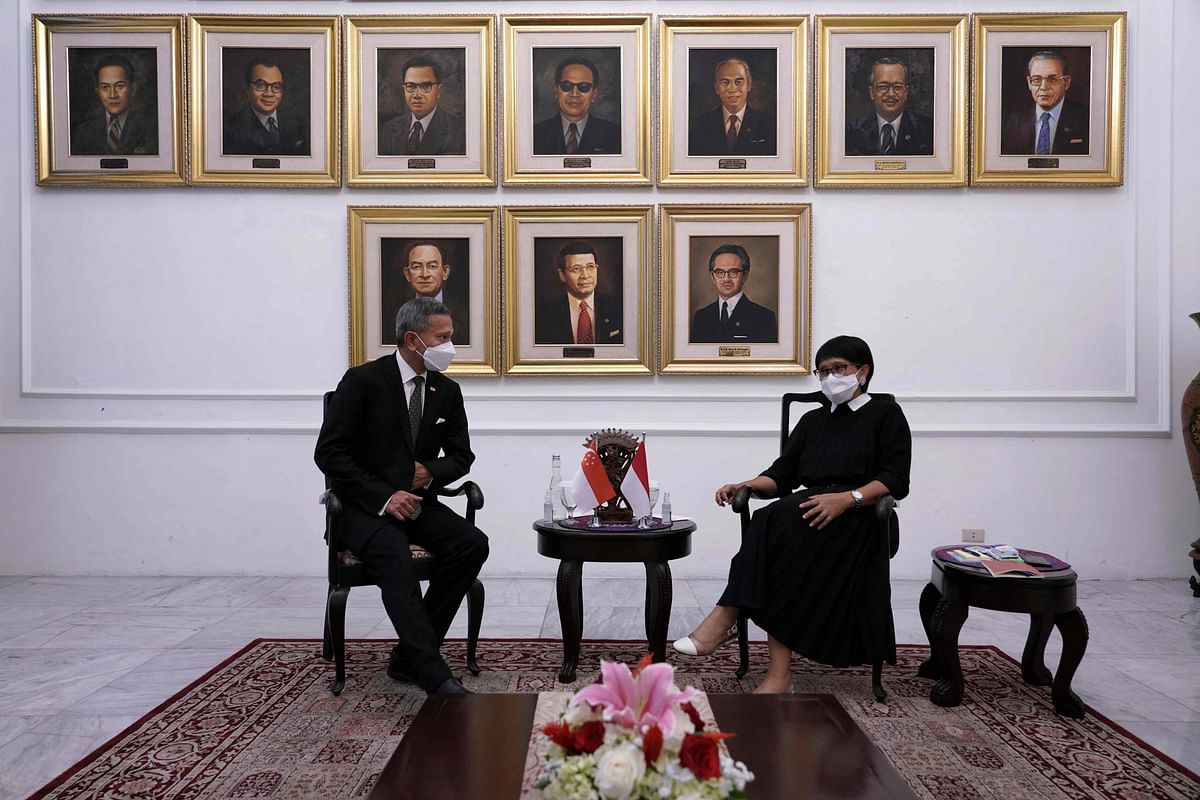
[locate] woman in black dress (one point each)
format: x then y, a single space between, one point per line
809 570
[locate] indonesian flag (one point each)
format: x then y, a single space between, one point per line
636 483
591 485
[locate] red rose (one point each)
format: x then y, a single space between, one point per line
699 754
693 715
652 741
560 733
589 736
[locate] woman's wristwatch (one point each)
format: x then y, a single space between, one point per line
858 497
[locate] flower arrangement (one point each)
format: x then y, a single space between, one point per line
634 735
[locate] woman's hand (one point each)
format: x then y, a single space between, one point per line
725 493
825 508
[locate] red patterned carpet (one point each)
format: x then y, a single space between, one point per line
264 725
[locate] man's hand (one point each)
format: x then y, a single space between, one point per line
824 508
403 506
421 476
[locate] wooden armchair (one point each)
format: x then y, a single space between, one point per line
888 527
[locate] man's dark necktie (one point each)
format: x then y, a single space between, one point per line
414 140
572 138
889 140
1043 140
414 406
731 135
114 136
584 332
273 131
724 316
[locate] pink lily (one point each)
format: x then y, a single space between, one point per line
635 702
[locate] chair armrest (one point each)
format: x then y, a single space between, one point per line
470 489
884 506
333 506
741 500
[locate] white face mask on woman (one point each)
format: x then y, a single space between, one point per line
840 388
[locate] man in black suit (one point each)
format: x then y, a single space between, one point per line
425 129
734 129
120 128
732 317
260 129
395 430
583 316
890 129
1056 125
428 273
574 130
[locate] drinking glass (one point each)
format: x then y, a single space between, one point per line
568 498
655 493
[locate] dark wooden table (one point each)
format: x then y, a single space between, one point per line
574 546
798 746
1049 601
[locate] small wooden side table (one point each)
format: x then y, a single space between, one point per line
1049 601
573 546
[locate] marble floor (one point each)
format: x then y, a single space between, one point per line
82 658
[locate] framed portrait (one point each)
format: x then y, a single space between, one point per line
733 100
420 101
1049 104
108 93
578 290
448 254
736 289
265 100
577 100
891 101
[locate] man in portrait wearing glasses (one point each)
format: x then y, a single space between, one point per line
1054 125
582 316
424 129
575 130
262 128
119 128
732 317
734 128
427 271
890 128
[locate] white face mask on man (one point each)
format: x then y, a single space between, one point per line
438 357
840 388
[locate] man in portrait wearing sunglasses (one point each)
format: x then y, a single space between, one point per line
425 128
262 127
582 315
890 128
1055 125
574 130
732 318
426 271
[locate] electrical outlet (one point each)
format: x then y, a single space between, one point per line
974 535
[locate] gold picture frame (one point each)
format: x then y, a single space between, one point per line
233 141
457 144
770 56
913 133
383 239
1083 58
607 55
98 125
553 257
711 253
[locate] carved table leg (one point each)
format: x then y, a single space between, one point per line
658 607
948 619
1033 659
1072 626
570 615
932 667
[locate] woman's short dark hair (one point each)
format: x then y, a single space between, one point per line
851 348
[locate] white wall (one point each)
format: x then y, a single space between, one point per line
163 351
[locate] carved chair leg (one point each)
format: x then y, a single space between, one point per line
326 641
335 618
474 620
877 682
743 625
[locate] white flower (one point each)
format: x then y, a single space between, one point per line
690 796
618 770
683 726
576 715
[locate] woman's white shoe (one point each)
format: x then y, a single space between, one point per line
690 646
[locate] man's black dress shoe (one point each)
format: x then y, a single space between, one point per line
451 686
